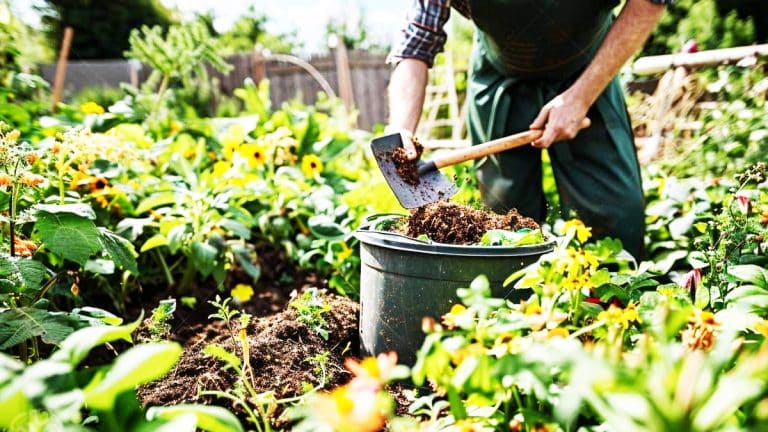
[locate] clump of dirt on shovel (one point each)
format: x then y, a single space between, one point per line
283 357
448 222
407 169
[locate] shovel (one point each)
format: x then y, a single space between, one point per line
433 185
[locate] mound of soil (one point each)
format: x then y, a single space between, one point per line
448 222
280 348
407 169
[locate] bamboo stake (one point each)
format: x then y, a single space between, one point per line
656 64
61 68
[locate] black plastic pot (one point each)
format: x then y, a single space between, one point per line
403 280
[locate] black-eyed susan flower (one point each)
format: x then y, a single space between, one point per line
255 154
311 165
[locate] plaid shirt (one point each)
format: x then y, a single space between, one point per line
424 37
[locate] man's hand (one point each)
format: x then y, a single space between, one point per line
407 138
561 119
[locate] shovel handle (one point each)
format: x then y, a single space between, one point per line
492 147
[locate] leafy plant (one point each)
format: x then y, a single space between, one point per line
53 393
310 308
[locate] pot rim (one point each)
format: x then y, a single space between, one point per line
395 241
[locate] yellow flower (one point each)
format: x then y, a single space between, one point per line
91 107
377 369
5 180
582 232
220 168
13 135
345 253
242 292
616 316
311 165
255 154
458 315
232 139
350 408
762 328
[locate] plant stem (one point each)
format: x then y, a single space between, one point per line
236 400
166 270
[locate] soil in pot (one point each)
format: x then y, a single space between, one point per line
452 223
408 169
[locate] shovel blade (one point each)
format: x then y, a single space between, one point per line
433 186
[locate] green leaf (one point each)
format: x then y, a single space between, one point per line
75 347
750 273
82 210
155 241
666 260
249 264
97 316
325 228
154 201
209 418
204 257
68 235
20 324
221 353
602 276
19 274
120 250
139 365
512 238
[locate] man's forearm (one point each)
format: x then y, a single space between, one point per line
627 35
406 94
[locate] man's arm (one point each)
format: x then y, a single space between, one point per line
562 116
406 99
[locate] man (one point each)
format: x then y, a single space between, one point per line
541 64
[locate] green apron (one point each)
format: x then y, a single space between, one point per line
526 52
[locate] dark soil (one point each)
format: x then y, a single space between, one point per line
281 351
407 169
448 222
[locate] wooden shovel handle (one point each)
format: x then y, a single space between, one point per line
492 147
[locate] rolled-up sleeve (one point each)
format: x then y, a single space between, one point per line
423 36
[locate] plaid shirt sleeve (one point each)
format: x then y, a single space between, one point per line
423 37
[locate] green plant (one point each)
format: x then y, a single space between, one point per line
54 394
310 308
159 326
180 54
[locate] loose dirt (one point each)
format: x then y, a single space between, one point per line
448 222
283 358
407 169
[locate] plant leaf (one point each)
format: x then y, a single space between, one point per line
20 324
68 235
120 250
139 365
209 418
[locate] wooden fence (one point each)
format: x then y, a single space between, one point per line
370 77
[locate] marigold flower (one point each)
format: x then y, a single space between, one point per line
350 408
255 154
31 180
378 369
91 107
582 233
764 217
311 165
5 180
701 331
31 157
24 247
242 292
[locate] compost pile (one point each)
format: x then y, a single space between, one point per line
281 351
448 222
408 169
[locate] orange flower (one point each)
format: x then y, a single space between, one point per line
32 180
376 369
98 184
764 217
24 247
5 180
32 157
